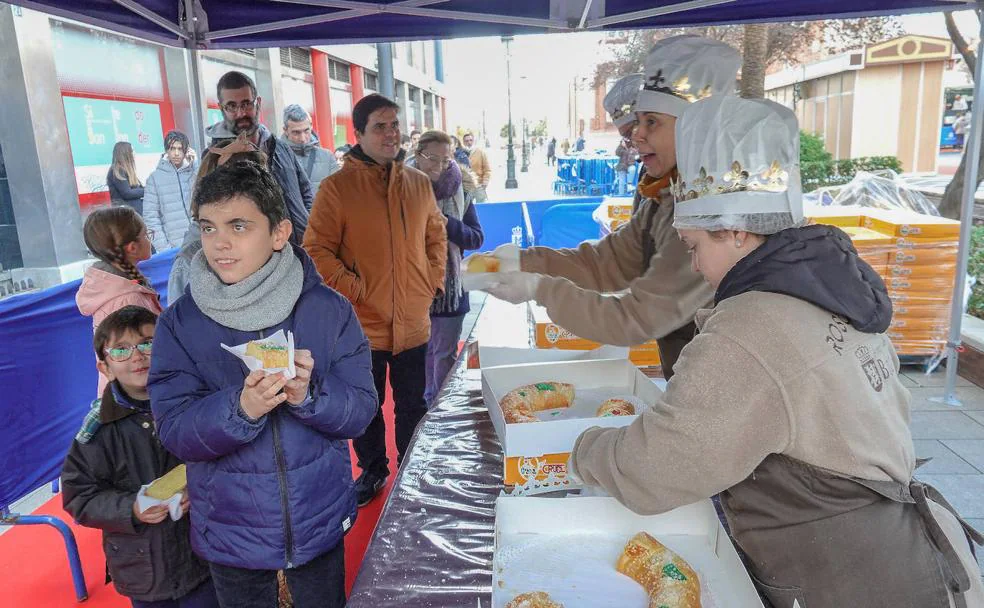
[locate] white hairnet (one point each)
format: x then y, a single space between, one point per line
620 100
738 164
682 69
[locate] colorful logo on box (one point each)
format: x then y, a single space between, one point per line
529 468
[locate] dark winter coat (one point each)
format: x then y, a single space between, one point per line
122 193
277 492
115 453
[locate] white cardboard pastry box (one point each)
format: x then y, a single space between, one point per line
568 548
497 356
537 452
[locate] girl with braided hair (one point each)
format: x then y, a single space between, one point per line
118 238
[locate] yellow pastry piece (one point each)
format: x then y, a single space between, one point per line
533 599
520 404
483 263
273 356
169 484
616 407
668 578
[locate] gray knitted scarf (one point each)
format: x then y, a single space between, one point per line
264 299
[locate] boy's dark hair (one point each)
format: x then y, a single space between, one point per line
176 136
414 132
119 322
242 178
366 106
234 80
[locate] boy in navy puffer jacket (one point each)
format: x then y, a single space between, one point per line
269 475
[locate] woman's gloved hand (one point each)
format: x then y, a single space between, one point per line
515 287
508 256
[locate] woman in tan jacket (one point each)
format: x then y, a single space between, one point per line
788 402
635 284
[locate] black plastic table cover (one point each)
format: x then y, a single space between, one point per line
433 543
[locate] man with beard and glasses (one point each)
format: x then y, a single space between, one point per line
240 112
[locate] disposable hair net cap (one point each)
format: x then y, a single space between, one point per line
620 100
680 70
738 164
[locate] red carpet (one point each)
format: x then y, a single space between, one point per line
34 567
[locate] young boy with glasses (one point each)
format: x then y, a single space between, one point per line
148 555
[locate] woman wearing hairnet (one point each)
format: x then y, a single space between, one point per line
635 284
788 402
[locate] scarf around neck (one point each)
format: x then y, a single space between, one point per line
452 202
262 300
651 187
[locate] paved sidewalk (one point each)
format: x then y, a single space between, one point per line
954 438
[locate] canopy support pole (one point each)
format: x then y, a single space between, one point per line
397 9
973 152
654 12
198 101
305 21
153 17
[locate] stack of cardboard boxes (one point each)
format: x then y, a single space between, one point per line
916 255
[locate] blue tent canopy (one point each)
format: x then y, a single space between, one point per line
265 23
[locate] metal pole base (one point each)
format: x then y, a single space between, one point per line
950 400
71 547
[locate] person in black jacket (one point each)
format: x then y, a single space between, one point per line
122 181
148 556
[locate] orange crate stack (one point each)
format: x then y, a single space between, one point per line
916 256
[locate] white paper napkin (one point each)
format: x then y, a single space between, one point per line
145 502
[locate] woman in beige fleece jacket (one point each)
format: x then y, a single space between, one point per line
788 402
635 284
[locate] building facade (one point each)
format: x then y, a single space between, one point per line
883 100
74 91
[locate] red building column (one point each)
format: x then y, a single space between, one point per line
324 122
358 83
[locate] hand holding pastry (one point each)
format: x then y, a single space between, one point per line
153 515
261 393
508 255
297 387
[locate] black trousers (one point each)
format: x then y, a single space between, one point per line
671 344
320 583
408 377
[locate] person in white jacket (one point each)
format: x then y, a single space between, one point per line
167 195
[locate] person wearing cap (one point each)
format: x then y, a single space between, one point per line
317 162
620 105
635 284
788 402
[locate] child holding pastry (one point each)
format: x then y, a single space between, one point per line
269 474
148 555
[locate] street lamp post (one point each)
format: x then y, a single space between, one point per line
526 149
511 182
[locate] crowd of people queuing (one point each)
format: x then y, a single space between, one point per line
803 444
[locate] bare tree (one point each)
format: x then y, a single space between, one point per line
951 202
787 43
754 60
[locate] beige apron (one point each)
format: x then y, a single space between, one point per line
829 541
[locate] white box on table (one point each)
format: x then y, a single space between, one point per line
532 451
498 356
568 547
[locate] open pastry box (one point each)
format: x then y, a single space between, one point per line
539 450
497 356
568 548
